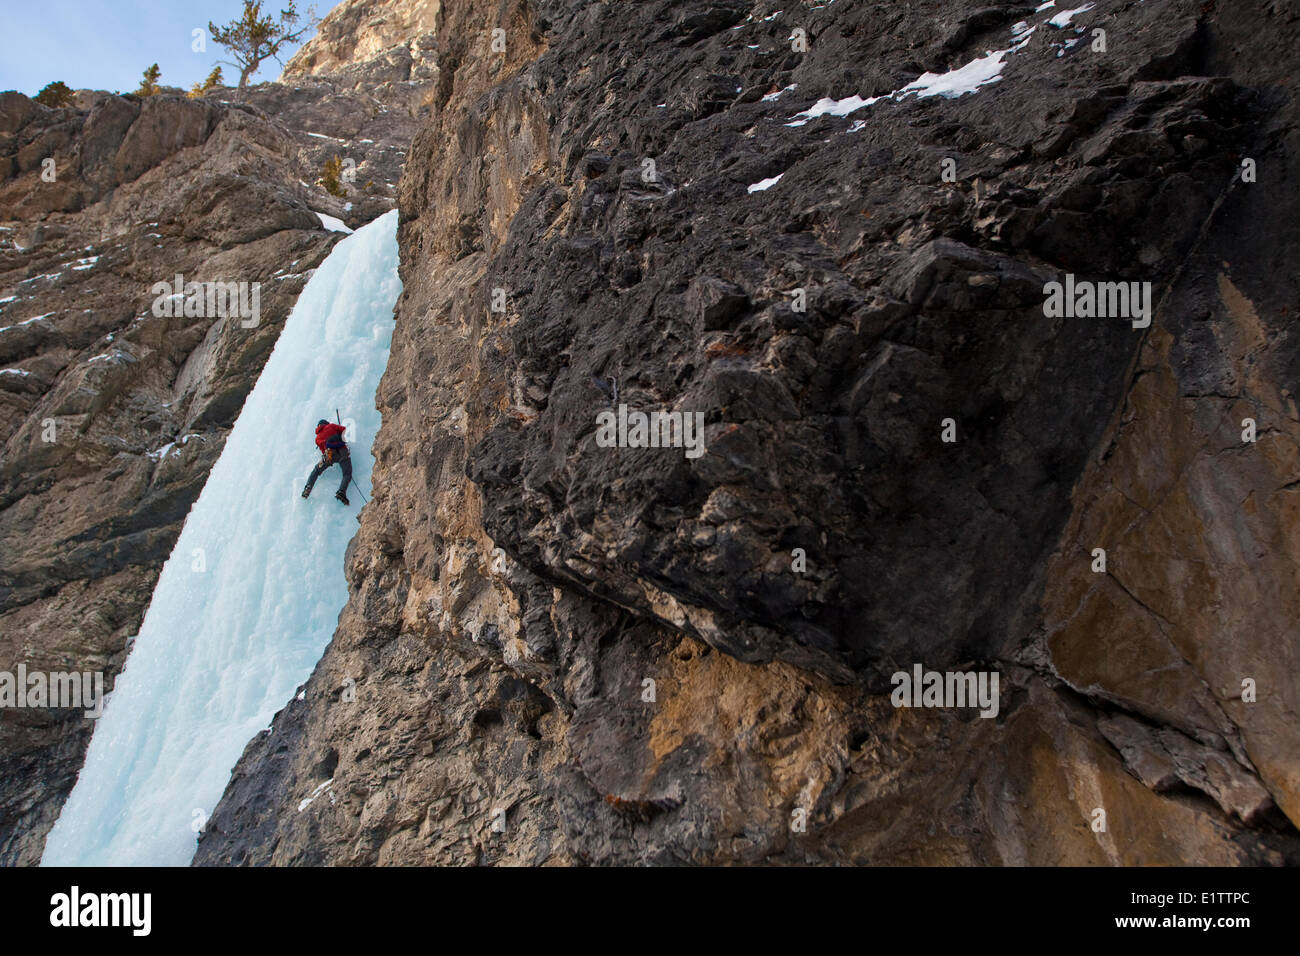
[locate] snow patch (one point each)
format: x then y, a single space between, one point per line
159 453
764 184
304 804
1062 19
332 224
967 79
27 321
830 107
973 76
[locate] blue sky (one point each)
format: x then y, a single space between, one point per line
107 44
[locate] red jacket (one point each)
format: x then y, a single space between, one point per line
329 437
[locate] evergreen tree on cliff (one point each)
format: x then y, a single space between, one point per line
212 82
56 95
149 82
255 37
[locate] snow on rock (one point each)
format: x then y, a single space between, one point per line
1062 19
112 356
160 453
763 184
976 74
252 591
35 318
306 802
967 79
332 224
831 107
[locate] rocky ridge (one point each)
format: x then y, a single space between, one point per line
113 415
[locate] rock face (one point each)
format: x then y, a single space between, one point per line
112 413
393 41
561 652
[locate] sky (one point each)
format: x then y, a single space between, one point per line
107 44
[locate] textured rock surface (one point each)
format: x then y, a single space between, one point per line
215 189
362 36
515 586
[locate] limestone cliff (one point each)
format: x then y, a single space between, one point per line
112 413
362 37
558 652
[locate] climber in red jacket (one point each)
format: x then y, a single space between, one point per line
329 439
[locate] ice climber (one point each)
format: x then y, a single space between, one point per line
329 439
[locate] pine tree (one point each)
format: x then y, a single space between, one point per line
213 81
56 95
149 85
254 37
329 177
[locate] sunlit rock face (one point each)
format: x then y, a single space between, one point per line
359 32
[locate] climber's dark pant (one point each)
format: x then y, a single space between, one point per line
343 460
